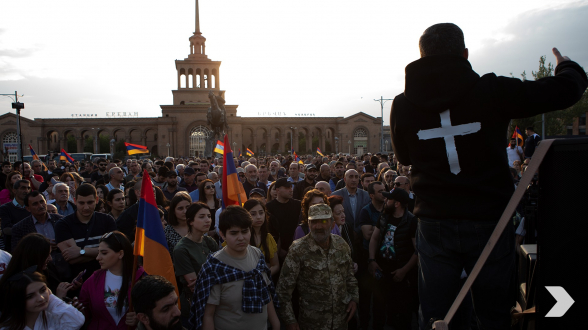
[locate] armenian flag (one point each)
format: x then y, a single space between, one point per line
249 152
136 149
240 153
65 156
296 158
233 192
150 242
318 151
33 153
220 147
517 135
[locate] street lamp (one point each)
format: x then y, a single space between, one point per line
382 100
112 142
168 145
336 145
349 143
292 139
96 139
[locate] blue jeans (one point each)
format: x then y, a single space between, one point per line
446 247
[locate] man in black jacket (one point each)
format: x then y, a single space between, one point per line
38 222
531 142
450 124
14 211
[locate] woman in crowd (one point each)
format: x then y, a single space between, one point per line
260 236
116 202
102 191
131 197
311 198
336 204
192 250
105 295
35 250
207 195
271 192
176 220
27 303
7 195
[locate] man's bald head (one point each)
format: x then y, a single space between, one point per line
323 187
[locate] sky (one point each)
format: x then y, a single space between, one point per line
329 58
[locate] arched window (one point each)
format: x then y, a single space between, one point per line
360 132
10 145
198 136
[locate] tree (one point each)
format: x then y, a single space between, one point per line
556 122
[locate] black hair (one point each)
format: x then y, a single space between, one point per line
234 216
530 128
370 188
118 241
32 194
111 193
104 189
264 230
191 213
179 197
13 300
148 291
19 182
4 163
31 250
442 39
86 190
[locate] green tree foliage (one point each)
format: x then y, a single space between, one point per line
555 121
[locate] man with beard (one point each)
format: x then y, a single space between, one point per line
392 262
320 266
156 304
172 185
275 172
309 181
339 173
251 180
284 216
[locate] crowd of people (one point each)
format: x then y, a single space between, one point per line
75 225
327 242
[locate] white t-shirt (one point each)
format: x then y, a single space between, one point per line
4 260
112 286
512 154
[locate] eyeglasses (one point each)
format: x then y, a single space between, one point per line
398 184
208 187
107 235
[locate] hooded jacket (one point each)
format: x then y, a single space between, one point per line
451 125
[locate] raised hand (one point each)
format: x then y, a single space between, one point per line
558 56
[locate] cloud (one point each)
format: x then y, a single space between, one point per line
17 53
531 35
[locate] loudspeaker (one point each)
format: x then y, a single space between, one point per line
561 236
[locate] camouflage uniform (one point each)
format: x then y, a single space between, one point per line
324 280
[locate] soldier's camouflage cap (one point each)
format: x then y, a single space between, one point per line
320 211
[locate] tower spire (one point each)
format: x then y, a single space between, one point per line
197 20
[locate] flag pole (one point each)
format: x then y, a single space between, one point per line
133 282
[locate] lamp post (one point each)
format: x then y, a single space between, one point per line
112 142
386 145
349 143
95 130
336 145
17 106
292 139
168 145
382 100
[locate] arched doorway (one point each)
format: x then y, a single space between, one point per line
10 146
360 141
198 136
